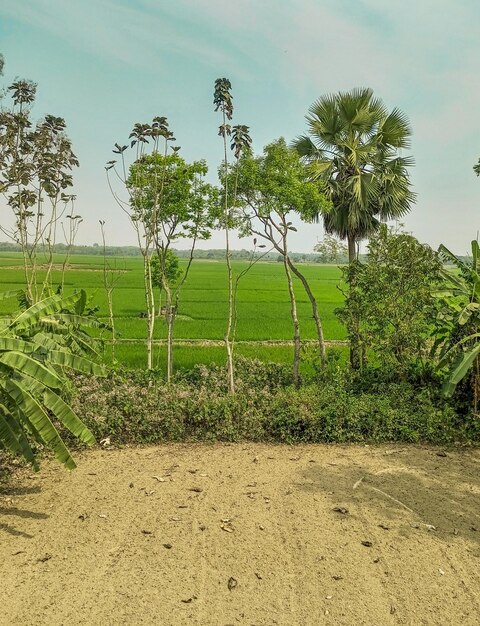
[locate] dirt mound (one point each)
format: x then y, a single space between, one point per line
245 534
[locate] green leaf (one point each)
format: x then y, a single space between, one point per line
81 320
81 302
460 369
75 362
7 435
50 305
24 363
40 421
69 419
11 343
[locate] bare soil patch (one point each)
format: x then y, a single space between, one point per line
245 534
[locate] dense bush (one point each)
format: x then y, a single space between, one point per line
390 305
134 408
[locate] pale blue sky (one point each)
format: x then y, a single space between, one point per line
105 64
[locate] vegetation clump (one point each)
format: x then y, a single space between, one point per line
134 407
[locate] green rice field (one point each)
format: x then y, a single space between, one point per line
263 307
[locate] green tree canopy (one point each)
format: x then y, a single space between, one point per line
353 146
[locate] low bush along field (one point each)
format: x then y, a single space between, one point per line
263 306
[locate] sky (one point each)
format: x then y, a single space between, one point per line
103 65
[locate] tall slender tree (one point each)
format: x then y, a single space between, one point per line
241 141
143 201
36 163
186 211
354 147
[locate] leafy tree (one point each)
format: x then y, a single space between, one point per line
37 346
144 198
172 274
240 143
457 330
476 168
353 148
271 189
187 210
36 162
331 250
390 304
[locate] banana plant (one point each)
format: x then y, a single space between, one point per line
37 347
458 331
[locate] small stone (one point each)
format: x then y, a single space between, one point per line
44 558
340 509
168 546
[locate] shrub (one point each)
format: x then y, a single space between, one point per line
133 408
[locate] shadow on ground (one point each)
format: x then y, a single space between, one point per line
429 490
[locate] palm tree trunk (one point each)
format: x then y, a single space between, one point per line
316 316
352 248
355 356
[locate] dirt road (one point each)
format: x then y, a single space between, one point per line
244 534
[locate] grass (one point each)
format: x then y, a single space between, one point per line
263 305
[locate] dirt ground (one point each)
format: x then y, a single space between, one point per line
244 534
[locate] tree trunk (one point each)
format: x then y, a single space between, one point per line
293 311
228 333
316 316
150 305
159 310
355 356
112 320
352 248
170 317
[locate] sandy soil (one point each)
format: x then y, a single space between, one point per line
245 534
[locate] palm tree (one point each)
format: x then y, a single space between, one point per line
353 148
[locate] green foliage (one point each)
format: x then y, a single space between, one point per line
172 269
353 148
331 250
37 346
476 168
390 305
275 183
171 196
457 329
140 408
36 163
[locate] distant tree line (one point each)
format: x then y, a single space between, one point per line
212 253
